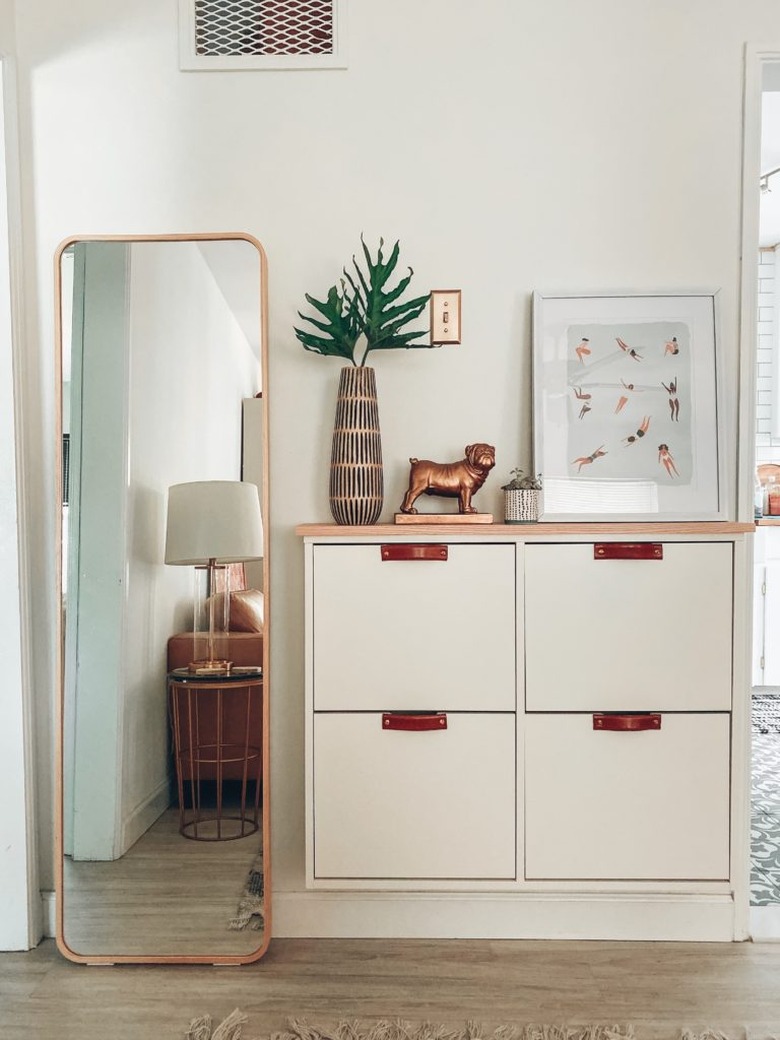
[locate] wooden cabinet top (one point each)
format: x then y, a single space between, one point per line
526 532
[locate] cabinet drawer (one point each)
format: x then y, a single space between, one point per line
397 804
419 634
628 634
650 805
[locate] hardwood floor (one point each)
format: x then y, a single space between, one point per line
660 987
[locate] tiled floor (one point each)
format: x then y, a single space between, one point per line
765 800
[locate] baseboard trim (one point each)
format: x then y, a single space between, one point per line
371 915
143 816
415 915
765 923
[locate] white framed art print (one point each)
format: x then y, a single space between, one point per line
626 406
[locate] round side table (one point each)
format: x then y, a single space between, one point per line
204 750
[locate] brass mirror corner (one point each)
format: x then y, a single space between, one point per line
162 828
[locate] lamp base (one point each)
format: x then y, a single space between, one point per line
216 667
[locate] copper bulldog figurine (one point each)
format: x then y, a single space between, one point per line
451 479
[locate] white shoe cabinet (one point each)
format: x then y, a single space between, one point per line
527 732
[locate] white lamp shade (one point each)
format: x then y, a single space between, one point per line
213 520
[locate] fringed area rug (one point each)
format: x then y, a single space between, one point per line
249 912
297 1029
715 1034
204 1028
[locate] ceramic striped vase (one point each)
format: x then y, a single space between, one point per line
356 477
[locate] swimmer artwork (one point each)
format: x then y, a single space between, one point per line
626 406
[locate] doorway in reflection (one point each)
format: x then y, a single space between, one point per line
161 384
765 699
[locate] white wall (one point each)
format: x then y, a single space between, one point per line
190 368
545 145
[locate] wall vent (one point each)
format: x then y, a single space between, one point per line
262 34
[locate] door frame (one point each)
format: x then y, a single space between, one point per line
21 919
760 923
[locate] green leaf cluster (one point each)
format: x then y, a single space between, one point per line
520 482
364 305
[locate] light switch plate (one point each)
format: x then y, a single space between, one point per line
445 315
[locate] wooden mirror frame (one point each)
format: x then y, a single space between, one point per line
119 958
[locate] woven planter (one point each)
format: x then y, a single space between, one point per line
356 477
521 506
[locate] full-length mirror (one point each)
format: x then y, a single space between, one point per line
162 830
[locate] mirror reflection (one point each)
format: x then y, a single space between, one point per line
162 386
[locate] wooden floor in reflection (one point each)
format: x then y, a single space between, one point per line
167 895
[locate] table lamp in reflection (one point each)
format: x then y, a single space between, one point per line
212 523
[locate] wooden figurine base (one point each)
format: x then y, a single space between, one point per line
444 518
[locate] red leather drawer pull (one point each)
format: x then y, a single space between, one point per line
414 552
627 723
628 551
414 723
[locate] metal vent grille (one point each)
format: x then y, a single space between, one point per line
263 27
232 35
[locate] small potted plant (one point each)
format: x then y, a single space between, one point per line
522 498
